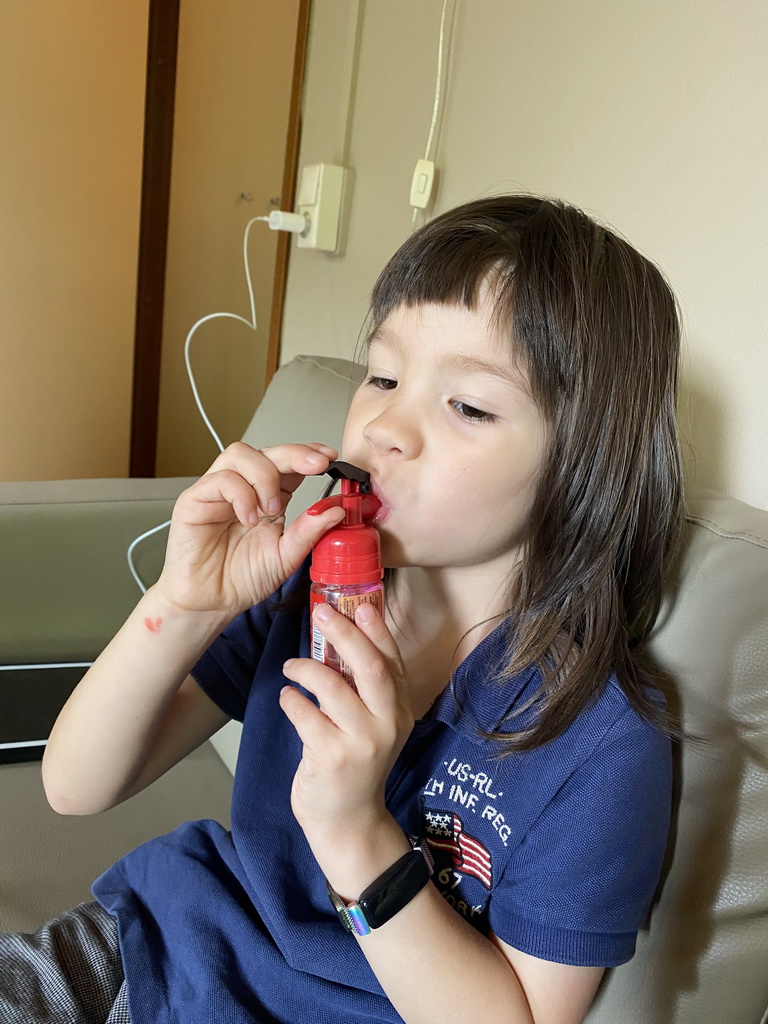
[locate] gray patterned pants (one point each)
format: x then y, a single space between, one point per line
67 972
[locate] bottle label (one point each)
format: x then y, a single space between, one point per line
318 643
347 604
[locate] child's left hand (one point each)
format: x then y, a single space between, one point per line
351 745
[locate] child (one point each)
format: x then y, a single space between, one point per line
518 423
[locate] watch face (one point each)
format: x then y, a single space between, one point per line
395 888
387 895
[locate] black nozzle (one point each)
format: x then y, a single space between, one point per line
346 471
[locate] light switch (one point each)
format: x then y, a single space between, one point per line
310 177
422 183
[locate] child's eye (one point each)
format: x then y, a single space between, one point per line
381 383
469 412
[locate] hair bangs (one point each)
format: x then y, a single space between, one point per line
448 268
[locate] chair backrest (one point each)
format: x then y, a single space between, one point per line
704 955
307 400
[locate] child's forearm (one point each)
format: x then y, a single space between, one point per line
427 958
106 730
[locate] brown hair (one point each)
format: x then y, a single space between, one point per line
598 330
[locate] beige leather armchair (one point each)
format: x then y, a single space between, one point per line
703 958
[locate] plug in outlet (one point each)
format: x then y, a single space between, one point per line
320 195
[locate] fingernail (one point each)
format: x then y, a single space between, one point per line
287 665
273 507
316 459
365 613
322 612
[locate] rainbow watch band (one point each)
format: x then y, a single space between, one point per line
352 915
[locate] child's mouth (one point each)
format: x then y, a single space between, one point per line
383 511
380 516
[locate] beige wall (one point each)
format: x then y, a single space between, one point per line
650 114
71 122
235 66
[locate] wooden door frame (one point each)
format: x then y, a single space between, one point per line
162 46
288 190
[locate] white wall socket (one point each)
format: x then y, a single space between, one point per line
320 196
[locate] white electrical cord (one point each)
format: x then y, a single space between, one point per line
438 94
232 316
252 323
132 547
438 83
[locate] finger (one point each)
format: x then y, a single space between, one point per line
304 532
337 700
313 459
218 497
371 622
283 456
274 472
315 729
368 647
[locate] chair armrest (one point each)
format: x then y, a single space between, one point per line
65 586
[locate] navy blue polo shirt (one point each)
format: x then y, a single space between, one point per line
558 849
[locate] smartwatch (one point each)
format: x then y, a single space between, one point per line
389 893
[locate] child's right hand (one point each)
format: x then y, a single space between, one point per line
228 547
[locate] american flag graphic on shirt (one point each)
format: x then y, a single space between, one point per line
445 831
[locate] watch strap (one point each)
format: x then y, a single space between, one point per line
388 894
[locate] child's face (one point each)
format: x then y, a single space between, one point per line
456 485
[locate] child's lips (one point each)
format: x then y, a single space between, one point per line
385 509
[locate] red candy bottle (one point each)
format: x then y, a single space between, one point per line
346 568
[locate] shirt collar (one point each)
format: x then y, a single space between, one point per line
478 699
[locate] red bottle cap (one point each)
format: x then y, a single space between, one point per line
351 551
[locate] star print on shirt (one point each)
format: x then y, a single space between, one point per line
445 831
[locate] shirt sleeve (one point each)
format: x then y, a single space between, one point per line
227 669
579 886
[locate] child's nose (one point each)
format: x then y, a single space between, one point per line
394 431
